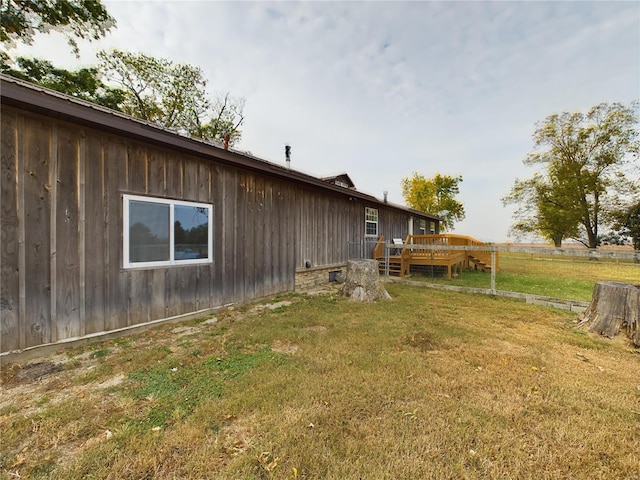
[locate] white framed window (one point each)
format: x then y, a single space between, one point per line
161 232
423 227
371 222
432 227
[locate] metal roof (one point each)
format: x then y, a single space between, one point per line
34 98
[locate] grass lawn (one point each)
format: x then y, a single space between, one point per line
431 384
557 277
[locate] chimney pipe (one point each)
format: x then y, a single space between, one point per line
385 193
227 138
287 154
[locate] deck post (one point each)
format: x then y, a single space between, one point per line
493 271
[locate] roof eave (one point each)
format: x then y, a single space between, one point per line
54 104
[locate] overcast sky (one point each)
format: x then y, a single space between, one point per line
384 89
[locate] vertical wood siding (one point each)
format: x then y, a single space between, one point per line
61 243
36 185
328 223
9 235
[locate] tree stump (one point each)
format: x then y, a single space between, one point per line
614 306
362 282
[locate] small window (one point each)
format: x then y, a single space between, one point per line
423 227
432 227
159 232
371 222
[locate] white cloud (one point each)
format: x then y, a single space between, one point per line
382 89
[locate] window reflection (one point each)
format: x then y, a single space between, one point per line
191 232
148 232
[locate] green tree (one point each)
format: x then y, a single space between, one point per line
174 95
627 225
20 20
435 195
632 225
226 116
179 233
84 83
585 159
544 208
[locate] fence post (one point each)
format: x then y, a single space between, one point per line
493 272
386 260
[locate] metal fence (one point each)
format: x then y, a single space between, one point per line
361 249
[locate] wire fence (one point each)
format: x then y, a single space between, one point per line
562 277
361 249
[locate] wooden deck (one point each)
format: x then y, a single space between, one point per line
414 252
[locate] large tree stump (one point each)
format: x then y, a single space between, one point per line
614 306
362 282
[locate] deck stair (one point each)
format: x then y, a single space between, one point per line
478 264
454 261
395 267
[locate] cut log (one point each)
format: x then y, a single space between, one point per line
362 282
614 306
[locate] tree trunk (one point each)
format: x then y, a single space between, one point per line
362 281
614 306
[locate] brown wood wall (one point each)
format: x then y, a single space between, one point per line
332 226
61 238
61 244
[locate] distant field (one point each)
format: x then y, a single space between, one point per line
431 384
560 277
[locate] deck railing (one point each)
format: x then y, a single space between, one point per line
465 253
477 253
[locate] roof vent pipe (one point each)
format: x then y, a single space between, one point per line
385 193
287 155
227 138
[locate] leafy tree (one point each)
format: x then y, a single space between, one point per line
173 95
544 208
632 225
627 225
226 117
198 235
179 233
435 195
84 83
585 158
20 20
141 234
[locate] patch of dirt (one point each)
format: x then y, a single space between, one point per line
33 372
186 330
285 347
270 306
112 382
86 372
56 376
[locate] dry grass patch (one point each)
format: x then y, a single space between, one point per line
429 385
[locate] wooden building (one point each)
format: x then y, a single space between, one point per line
109 222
